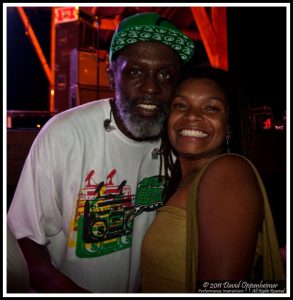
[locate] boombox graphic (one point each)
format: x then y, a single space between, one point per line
109 215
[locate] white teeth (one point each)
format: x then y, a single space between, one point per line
193 133
148 106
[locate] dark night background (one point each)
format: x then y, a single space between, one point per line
257 54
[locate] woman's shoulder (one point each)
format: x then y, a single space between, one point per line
230 164
232 158
230 181
232 171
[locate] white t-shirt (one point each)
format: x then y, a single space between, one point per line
89 195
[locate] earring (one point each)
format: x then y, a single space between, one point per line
228 136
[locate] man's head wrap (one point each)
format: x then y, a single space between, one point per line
151 27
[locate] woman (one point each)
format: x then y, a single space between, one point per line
216 223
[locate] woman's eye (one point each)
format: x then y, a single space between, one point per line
212 108
178 106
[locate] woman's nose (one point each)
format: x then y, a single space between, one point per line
194 114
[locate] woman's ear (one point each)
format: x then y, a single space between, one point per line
111 78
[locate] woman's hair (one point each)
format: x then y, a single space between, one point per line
241 140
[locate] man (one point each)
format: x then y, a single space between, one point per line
90 184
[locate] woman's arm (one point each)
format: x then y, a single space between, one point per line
230 211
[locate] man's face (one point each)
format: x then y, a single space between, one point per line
144 77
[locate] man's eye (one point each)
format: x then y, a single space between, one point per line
164 76
135 72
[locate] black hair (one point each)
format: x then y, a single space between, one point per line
241 130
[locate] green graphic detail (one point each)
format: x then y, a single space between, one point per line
88 250
149 194
104 223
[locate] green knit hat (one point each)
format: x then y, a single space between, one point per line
151 27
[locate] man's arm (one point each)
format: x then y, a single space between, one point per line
44 277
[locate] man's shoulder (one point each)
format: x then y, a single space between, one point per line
78 119
87 112
87 109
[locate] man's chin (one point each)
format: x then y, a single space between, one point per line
141 130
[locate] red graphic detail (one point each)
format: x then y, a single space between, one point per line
110 177
104 192
92 188
89 178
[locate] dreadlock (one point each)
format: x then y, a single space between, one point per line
169 165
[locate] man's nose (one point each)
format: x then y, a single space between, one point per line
150 85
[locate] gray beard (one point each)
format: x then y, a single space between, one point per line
139 127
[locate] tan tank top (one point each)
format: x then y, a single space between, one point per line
171 244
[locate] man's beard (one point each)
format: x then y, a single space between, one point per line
141 127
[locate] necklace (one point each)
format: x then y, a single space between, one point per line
107 123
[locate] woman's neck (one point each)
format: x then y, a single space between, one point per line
191 165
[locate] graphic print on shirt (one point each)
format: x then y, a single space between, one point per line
149 194
104 213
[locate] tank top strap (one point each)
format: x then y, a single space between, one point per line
272 263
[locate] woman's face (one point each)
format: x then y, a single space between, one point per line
198 120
